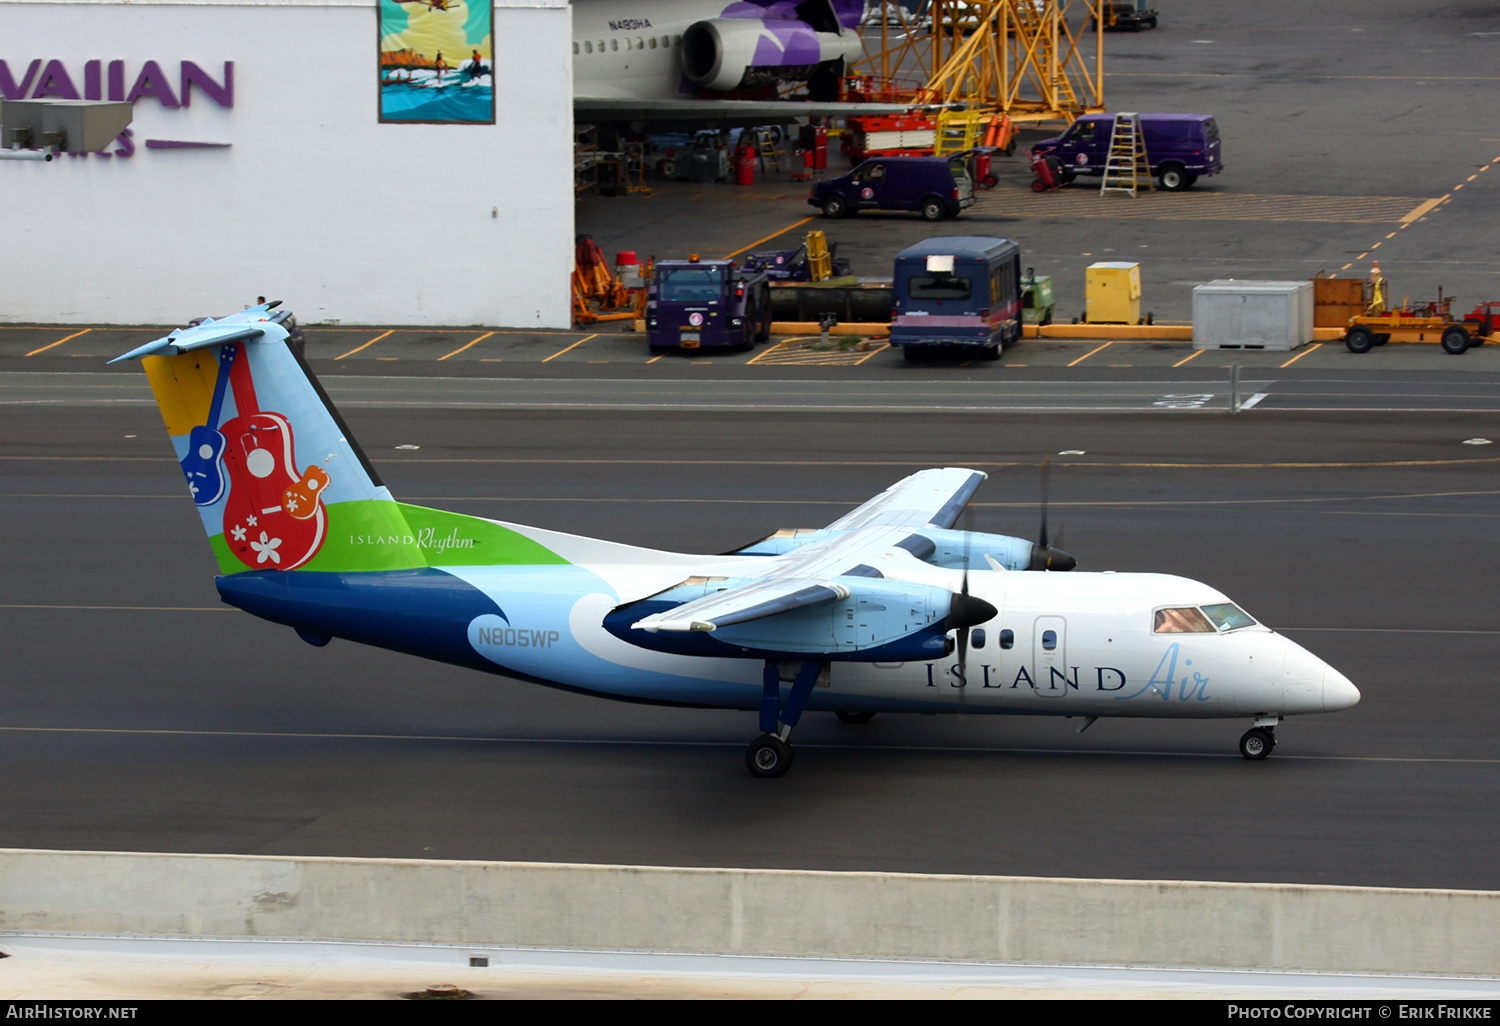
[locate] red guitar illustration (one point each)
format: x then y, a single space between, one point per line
274 517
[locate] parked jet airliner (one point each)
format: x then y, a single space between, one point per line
649 61
887 609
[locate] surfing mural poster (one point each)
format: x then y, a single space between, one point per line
437 62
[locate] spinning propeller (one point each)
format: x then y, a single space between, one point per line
966 610
1043 555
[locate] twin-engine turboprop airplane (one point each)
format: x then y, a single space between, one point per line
884 610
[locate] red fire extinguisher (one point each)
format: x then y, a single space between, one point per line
744 166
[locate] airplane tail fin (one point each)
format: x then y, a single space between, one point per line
278 480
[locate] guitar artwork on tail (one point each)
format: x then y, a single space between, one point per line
887 609
268 497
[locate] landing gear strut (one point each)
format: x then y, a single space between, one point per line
1260 740
771 754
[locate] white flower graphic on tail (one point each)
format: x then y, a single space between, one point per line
266 549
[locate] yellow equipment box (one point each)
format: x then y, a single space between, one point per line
1113 293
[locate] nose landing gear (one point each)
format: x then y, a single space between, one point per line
1260 740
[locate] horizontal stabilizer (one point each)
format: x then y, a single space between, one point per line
209 333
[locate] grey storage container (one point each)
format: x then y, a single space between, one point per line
1232 314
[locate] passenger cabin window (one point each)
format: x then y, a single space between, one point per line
614 44
976 636
575 49
940 286
1007 639
588 47
653 42
1185 620
1049 640
1227 616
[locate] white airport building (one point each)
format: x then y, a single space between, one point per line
263 160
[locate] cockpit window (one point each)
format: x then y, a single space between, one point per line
1185 620
1227 616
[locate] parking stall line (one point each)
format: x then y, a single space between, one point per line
60 341
1091 352
1185 359
461 348
367 345
1300 355
575 345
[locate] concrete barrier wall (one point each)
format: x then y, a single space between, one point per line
891 915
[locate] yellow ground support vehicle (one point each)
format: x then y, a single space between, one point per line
1410 322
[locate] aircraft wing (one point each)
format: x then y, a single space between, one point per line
804 577
929 498
809 575
742 603
718 113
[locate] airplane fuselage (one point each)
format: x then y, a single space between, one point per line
1076 644
669 49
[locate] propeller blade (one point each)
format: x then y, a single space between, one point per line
1043 555
963 632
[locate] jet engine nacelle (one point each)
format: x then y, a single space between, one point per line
731 53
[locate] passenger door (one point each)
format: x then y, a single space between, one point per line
1049 657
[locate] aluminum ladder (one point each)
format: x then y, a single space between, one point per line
1127 169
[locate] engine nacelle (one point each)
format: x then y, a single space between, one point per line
730 53
877 621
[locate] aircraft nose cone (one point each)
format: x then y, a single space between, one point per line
1339 691
1050 559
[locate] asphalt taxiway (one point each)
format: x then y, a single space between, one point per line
143 715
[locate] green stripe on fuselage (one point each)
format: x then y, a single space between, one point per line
377 534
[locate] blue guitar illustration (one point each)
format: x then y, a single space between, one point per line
204 462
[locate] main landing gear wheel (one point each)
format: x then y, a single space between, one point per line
1257 743
768 756
854 717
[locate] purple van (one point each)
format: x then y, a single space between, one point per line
1181 147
